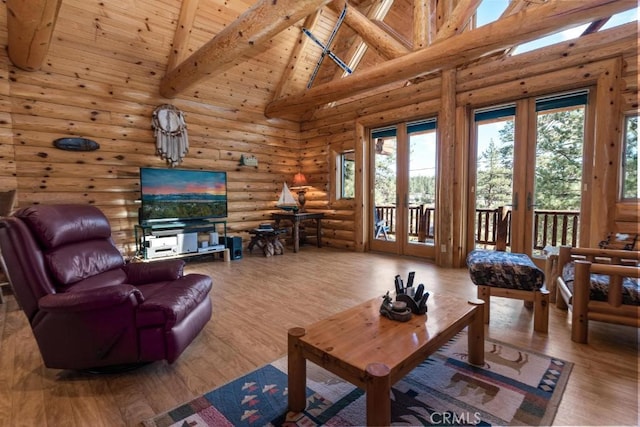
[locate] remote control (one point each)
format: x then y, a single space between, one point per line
412 274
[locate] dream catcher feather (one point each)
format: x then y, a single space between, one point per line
172 142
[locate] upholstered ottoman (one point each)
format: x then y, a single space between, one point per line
509 275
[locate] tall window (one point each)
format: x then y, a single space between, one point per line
630 158
347 163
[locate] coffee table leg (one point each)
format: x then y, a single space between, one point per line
297 371
378 400
475 334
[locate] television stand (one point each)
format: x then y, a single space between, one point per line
166 240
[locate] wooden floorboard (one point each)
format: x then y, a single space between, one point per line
256 300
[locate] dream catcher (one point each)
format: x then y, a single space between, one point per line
172 142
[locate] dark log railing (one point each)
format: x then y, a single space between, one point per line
551 227
555 228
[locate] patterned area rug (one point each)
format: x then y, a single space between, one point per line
514 387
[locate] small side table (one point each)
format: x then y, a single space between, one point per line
268 240
295 218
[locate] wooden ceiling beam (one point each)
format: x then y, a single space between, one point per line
30 27
375 37
183 31
358 47
458 19
246 35
424 23
295 60
526 25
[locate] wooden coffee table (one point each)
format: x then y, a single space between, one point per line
372 352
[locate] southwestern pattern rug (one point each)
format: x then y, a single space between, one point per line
514 387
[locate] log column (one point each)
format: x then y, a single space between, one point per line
30 25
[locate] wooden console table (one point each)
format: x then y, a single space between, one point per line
295 218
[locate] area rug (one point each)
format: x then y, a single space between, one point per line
514 387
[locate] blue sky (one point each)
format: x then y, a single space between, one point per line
490 10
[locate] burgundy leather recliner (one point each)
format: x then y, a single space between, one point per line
86 306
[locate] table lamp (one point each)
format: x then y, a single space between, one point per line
300 185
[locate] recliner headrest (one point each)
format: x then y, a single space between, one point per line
56 225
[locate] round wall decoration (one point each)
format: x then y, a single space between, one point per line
172 142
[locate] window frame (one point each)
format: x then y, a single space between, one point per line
623 158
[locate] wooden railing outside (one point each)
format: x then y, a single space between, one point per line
551 227
555 228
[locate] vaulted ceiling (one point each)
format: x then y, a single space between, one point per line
290 73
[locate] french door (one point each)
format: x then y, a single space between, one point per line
528 159
403 188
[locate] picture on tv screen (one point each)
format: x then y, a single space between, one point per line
182 194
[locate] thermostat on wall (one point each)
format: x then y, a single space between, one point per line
248 160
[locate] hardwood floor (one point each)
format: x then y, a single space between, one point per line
256 300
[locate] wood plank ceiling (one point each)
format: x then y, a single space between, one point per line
385 42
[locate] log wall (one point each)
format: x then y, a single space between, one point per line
100 80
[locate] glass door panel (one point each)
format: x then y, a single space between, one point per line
421 207
493 189
385 187
404 188
555 205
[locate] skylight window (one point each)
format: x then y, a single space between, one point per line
489 11
573 33
621 18
570 34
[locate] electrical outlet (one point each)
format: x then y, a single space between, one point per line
443 248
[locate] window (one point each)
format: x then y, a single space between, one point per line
347 163
630 158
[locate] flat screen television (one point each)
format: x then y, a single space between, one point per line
170 195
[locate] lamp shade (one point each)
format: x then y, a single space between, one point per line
299 180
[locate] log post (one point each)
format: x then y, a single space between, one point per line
30 24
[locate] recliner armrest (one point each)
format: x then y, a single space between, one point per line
93 299
141 273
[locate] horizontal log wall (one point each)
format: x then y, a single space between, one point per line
7 156
100 81
567 65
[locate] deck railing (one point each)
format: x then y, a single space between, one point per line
551 227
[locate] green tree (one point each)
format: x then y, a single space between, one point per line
494 179
559 159
558 170
385 193
422 189
630 161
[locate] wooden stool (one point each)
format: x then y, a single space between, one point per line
509 275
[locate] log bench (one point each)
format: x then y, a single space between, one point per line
598 285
